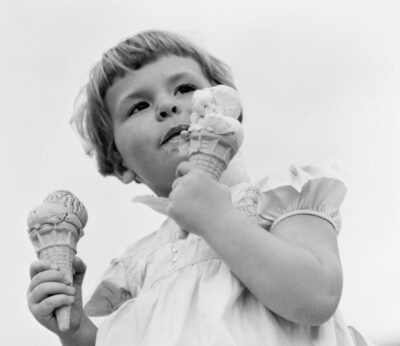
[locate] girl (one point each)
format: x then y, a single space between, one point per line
215 272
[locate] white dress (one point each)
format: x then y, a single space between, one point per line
171 288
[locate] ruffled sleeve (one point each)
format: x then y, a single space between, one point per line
112 291
313 190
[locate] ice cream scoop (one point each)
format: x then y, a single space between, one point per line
215 133
55 228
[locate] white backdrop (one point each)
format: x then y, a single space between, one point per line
319 81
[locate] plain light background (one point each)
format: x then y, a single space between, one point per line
319 82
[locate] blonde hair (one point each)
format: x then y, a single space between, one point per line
91 117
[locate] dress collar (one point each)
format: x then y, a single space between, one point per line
234 174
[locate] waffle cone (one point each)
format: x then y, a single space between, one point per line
212 152
57 244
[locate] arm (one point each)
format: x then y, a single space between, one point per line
294 271
85 336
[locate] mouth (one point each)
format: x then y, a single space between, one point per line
172 132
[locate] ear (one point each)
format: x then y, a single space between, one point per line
128 176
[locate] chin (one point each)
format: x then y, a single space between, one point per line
164 189
162 192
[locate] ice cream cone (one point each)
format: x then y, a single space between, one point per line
55 228
211 152
215 133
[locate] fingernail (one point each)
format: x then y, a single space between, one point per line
71 289
54 266
71 299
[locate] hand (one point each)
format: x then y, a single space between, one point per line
49 290
196 198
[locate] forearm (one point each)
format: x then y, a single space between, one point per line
85 336
288 279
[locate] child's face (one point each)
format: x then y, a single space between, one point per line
144 105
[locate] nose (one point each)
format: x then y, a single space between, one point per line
167 108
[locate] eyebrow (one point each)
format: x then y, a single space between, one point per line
142 93
179 75
170 80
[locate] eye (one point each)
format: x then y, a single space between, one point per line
185 88
137 107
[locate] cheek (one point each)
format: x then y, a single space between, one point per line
133 146
124 141
119 140
186 106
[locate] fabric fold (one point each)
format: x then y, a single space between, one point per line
313 190
111 292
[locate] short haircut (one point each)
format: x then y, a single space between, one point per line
91 117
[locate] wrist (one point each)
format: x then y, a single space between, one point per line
85 335
220 221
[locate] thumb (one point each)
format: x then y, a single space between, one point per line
80 270
183 168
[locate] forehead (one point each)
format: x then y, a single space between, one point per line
158 71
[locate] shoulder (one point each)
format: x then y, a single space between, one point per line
116 285
311 189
